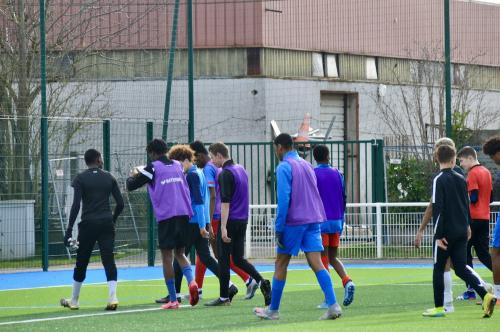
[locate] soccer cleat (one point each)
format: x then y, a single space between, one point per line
349 290
170 305
265 313
323 305
449 308
467 295
112 306
434 312
251 289
489 303
68 304
333 312
186 297
193 292
218 302
265 288
233 290
166 299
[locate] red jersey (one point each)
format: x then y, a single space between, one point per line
479 178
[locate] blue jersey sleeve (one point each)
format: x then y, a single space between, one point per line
284 182
210 175
197 198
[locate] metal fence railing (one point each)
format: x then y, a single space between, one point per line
122 143
371 231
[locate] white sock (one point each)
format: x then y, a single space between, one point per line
76 291
112 291
497 291
448 287
230 283
177 295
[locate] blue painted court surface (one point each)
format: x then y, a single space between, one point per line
20 280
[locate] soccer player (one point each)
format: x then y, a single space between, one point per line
197 224
233 182
93 189
480 187
298 226
492 149
451 215
213 204
448 281
332 191
169 194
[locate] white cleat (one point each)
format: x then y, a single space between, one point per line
333 312
265 313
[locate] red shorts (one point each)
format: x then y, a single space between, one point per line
331 240
215 226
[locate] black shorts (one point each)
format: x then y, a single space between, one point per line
174 233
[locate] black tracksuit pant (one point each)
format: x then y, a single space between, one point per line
90 232
457 251
480 240
203 251
236 231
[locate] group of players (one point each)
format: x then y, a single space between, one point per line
460 210
200 199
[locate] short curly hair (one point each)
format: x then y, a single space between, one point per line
492 146
181 153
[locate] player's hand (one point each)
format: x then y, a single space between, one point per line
204 233
442 243
279 240
224 236
211 232
418 239
469 233
67 237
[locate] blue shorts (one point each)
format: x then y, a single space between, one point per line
496 234
303 237
332 226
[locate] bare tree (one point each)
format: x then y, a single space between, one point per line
416 112
75 32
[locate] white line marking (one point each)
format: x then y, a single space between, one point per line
37 320
119 282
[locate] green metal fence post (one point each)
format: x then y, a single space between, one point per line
106 144
378 172
272 159
44 144
151 219
170 73
190 69
447 67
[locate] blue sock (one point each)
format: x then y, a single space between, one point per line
325 282
171 289
276 293
188 273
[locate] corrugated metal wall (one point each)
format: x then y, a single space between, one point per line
352 67
388 28
284 63
153 64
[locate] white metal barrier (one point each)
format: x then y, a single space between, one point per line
371 231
